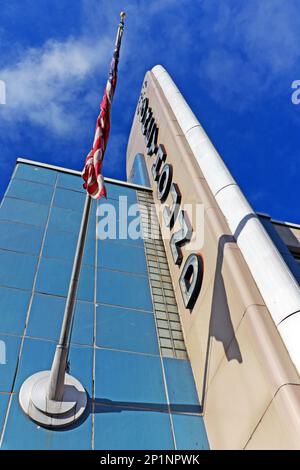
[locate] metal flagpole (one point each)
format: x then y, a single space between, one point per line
59 365
54 398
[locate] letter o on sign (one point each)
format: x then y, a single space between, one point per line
164 182
191 280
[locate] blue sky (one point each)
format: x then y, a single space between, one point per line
234 61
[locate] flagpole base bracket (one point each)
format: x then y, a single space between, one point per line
35 403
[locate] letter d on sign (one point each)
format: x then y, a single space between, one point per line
191 280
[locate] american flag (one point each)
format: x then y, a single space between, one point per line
94 181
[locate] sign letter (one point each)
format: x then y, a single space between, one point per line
191 280
181 237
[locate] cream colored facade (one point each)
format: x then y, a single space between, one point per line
245 372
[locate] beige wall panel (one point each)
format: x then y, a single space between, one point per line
214 229
240 392
279 427
218 312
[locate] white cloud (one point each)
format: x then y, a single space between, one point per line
270 33
231 80
255 43
54 86
241 48
47 85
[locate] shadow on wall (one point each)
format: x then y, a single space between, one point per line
220 324
221 328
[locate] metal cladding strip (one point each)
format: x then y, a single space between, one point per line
273 278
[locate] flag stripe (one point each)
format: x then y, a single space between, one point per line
93 179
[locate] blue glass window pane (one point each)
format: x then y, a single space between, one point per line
139 173
81 365
190 432
24 211
90 243
89 251
130 379
53 276
114 191
9 350
64 219
118 208
46 316
122 257
119 237
13 310
86 285
3 407
37 355
22 433
127 290
114 223
108 206
92 219
68 181
181 386
60 244
83 329
68 199
35 173
131 429
30 191
17 270
20 237
120 328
